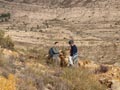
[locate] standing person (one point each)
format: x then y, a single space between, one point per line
54 53
73 59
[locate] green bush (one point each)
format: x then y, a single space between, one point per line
6 42
5 15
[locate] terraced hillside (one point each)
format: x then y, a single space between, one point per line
34 25
71 3
93 24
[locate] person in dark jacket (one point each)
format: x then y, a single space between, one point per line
73 59
54 53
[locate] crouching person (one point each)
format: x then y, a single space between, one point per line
73 59
54 55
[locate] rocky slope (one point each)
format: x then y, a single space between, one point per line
27 70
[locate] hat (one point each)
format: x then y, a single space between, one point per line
71 42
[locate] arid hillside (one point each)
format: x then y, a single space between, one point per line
77 10
93 24
28 28
71 3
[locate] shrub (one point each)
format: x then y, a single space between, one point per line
5 17
82 79
6 42
1 37
8 84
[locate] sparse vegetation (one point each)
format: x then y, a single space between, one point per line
54 78
81 79
93 24
8 83
34 74
5 17
6 42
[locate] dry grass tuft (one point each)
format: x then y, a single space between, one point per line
82 79
8 84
